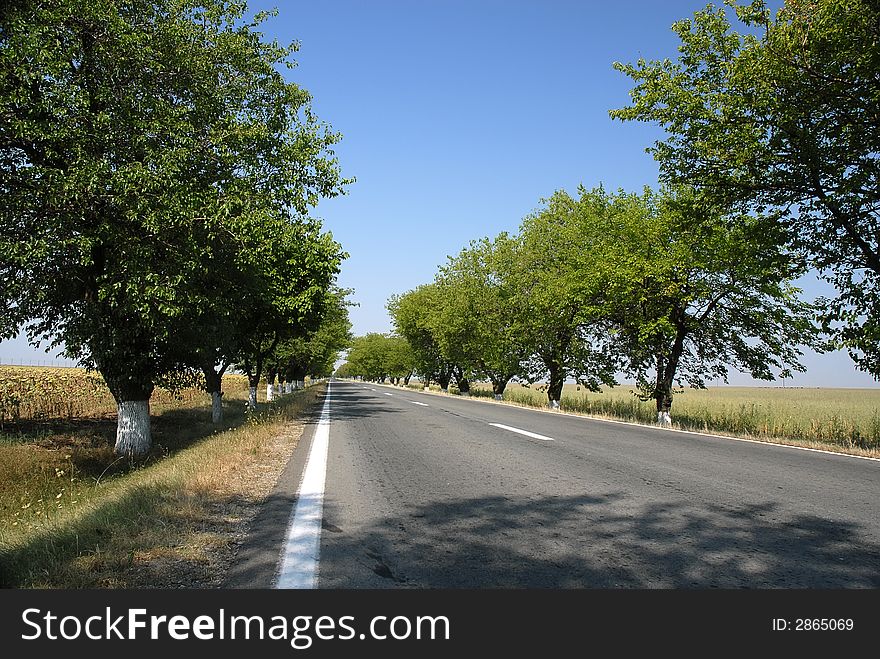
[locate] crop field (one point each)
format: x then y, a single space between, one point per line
847 419
34 393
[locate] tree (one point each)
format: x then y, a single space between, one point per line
476 327
131 132
411 314
399 359
559 293
786 119
315 353
367 356
692 291
292 291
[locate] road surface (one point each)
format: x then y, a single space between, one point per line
433 491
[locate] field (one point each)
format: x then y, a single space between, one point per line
72 514
36 393
845 420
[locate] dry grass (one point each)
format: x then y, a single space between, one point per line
841 420
74 516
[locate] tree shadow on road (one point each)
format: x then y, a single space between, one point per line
601 542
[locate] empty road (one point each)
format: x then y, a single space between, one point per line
430 491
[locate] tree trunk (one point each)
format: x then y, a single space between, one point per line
216 407
133 427
554 388
498 387
253 383
213 385
132 395
666 368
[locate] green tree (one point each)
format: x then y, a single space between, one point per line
315 353
400 360
784 117
412 315
367 356
692 291
477 323
131 131
292 292
559 295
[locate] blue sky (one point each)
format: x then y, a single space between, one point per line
457 117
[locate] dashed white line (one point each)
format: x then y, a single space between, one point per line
299 562
527 433
387 394
415 402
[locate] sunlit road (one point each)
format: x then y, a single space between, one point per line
430 491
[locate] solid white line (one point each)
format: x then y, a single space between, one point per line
522 432
415 402
299 562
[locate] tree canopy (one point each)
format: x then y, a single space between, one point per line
143 145
783 117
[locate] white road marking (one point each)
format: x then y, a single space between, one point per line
299 562
527 433
415 402
372 389
387 394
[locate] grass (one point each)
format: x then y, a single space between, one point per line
73 515
841 420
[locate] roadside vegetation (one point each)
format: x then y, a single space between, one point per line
158 172
840 420
74 514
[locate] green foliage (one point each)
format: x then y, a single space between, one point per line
692 291
154 163
376 356
559 292
315 353
476 324
784 117
413 314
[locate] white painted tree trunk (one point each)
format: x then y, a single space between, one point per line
133 427
554 404
444 390
426 388
499 397
252 398
664 418
216 407
270 392
278 388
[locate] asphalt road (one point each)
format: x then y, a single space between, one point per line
422 491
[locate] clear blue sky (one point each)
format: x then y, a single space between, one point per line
458 116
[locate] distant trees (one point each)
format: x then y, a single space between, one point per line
665 287
156 169
379 357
